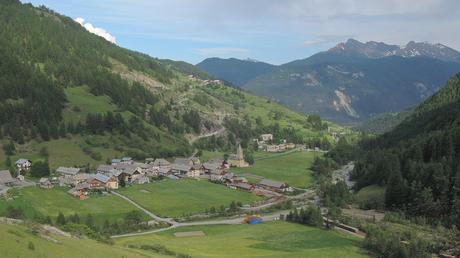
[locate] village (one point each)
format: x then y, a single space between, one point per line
125 171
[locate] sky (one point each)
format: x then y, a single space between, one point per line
274 31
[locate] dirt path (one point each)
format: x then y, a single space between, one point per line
195 138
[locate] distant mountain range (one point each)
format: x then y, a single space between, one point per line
238 72
350 82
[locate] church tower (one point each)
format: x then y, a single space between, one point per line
239 153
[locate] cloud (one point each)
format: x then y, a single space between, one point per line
222 51
98 31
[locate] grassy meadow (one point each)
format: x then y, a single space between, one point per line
292 168
15 242
269 240
49 202
174 198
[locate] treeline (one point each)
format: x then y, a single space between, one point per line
419 161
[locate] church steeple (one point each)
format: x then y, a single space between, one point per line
239 153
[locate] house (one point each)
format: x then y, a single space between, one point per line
129 172
266 137
273 185
195 171
23 164
80 191
101 181
45 183
67 172
6 178
272 148
149 160
213 168
237 160
164 171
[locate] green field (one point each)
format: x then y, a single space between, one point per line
269 240
292 168
174 198
49 202
15 239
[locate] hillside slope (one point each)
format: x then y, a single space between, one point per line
418 161
355 81
75 99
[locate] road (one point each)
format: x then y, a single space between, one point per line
235 221
150 214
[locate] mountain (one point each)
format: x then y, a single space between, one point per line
236 71
72 98
418 161
355 81
374 49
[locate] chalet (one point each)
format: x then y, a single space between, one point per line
195 171
129 172
149 160
67 172
23 164
6 178
80 191
45 183
101 181
273 185
237 160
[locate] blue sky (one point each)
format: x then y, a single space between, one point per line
274 31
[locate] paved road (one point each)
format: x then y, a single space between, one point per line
235 221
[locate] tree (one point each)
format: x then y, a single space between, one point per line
89 221
9 148
133 218
8 161
40 169
14 213
60 220
396 190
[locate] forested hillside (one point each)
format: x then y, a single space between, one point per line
69 93
419 161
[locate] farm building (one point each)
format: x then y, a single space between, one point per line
100 181
67 172
273 185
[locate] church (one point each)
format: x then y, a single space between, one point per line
237 160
